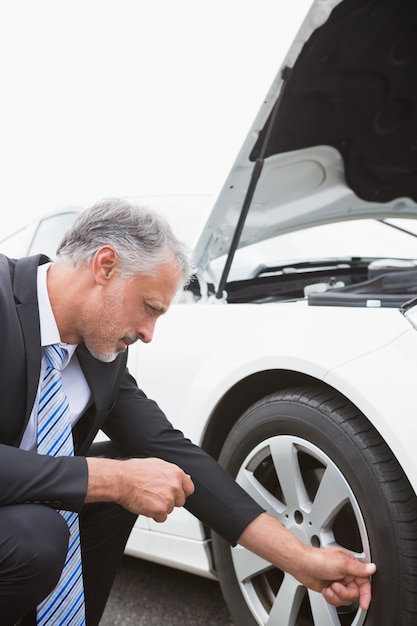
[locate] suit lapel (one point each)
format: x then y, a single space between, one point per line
25 292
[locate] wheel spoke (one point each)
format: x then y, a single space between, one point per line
323 614
263 497
284 456
287 602
332 494
247 564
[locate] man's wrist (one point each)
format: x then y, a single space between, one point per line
105 480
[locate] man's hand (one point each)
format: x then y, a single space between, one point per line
149 487
340 577
333 572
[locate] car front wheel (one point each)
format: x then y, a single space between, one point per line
316 464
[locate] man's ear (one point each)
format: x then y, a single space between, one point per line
104 264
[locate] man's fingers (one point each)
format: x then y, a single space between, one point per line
345 592
363 569
187 485
365 598
362 582
187 488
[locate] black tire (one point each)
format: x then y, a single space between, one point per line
320 434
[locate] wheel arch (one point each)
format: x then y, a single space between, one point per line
242 395
253 388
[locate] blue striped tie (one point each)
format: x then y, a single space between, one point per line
65 605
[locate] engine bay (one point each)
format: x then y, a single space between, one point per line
360 282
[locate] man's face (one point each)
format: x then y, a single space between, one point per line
126 310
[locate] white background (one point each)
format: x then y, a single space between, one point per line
129 97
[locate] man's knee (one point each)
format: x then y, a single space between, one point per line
33 547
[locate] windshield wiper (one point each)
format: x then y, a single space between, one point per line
312 265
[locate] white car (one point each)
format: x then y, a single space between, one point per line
292 356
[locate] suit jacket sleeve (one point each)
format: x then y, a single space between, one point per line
28 477
139 428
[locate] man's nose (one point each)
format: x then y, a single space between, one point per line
145 331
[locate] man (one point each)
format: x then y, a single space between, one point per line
117 270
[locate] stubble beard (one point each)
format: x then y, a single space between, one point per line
102 343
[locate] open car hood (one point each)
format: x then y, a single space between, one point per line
335 137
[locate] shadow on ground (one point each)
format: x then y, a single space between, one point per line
146 594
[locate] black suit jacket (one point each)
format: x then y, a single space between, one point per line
131 420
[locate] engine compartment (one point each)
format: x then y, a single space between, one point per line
361 282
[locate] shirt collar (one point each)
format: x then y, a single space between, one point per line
48 327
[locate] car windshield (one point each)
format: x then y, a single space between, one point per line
370 239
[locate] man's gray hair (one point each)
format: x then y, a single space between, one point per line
143 239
